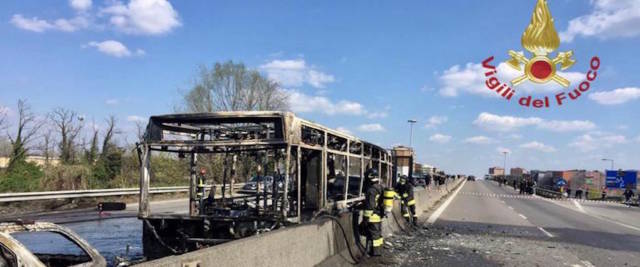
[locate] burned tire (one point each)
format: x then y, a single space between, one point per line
108 206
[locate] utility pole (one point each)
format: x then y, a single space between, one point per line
611 162
505 162
411 122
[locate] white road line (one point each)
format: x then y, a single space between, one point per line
523 217
579 206
595 216
588 264
545 232
432 219
510 207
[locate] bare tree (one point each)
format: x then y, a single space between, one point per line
45 146
3 118
68 124
107 142
230 87
92 154
140 129
26 131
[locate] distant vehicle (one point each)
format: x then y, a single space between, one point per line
471 178
266 183
419 180
29 244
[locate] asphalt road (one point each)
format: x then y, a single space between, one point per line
488 225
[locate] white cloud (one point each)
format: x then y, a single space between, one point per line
515 136
373 127
149 17
114 48
471 79
608 19
435 121
112 102
146 17
440 138
617 96
33 24
597 140
567 126
378 114
295 72
135 118
344 130
80 5
302 103
638 139
538 146
479 140
492 122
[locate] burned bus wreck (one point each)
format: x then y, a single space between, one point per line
298 169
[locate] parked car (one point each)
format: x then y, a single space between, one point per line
265 181
471 178
41 244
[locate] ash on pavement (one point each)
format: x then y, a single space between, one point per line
465 246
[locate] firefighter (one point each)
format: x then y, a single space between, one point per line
404 189
373 212
200 189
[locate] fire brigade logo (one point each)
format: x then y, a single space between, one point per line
542 67
541 39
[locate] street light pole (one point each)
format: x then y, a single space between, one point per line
611 162
505 162
411 122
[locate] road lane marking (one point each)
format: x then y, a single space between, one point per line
545 232
595 216
510 207
523 217
588 264
432 219
579 206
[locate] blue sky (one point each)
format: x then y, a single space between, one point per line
363 66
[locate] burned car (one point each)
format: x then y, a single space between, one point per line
44 244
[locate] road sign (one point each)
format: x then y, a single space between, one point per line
561 182
621 179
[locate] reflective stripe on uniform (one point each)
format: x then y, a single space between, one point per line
405 195
378 242
389 194
411 202
375 218
406 215
368 213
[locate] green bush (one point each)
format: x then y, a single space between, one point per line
67 177
23 177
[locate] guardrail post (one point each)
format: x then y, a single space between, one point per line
143 205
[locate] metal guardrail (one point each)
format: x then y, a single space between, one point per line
49 195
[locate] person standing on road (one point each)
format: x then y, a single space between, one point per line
404 189
586 192
628 194
373 213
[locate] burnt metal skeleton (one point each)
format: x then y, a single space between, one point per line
300 169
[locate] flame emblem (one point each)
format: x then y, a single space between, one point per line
541 39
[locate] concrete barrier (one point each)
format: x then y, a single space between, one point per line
318 243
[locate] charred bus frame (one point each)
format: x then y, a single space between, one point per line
319 169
